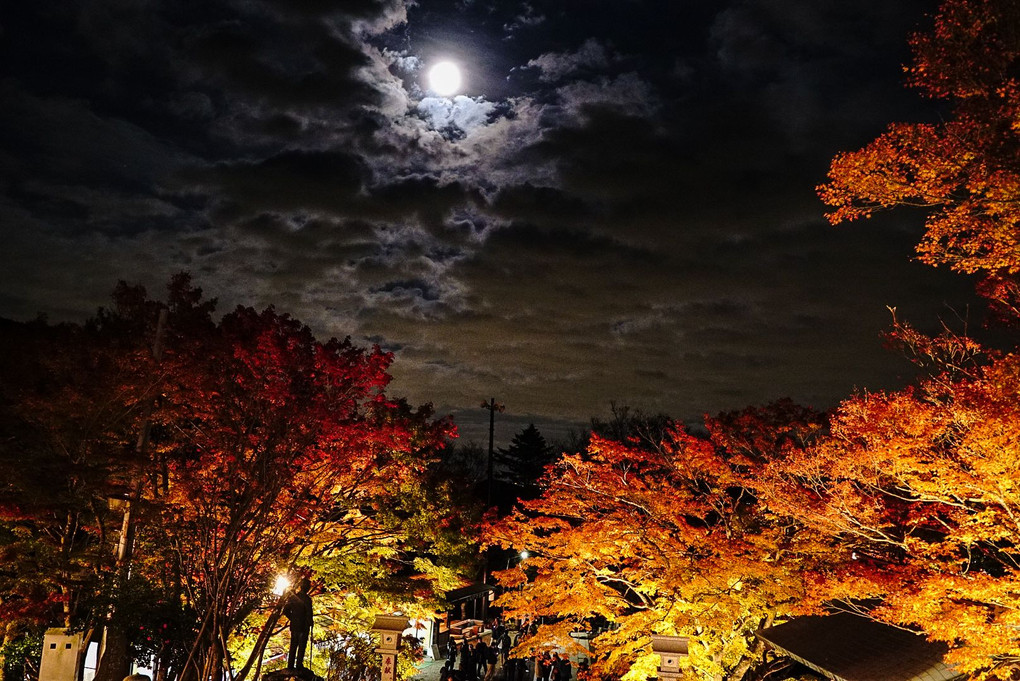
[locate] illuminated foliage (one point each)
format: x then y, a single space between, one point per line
917 488
964 172
918 493
664 540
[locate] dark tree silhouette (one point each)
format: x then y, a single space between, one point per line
524 461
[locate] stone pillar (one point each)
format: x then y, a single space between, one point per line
670 650
389 628
59 656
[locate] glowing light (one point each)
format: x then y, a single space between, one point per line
444 78
281 586
524 555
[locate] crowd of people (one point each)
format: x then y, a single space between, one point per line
482 661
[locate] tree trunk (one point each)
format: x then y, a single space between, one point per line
116 662
86 641
255 658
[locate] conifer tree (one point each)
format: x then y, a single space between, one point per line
524 461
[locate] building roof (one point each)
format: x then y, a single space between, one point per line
846 647
466 592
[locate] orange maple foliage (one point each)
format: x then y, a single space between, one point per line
918 493
919 486
657 540
964 172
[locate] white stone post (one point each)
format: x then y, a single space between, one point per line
59 656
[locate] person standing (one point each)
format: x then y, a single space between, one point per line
491 655
467 664
497 629
481 657
451 652
547 665
563 669
298 611
504 646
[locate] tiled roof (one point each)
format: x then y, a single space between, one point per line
846 647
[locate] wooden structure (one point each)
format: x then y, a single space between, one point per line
465 619
845 647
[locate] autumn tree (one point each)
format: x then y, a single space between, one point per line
247 447
277 448
917 485
963 171
915 491
71 401
660 540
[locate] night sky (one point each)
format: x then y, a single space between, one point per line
619 206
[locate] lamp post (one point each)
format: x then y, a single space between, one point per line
522 556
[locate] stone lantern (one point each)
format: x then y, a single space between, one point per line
389 628
670 650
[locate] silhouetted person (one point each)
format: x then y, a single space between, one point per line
504 646
561 667
299 612
481 657
468 666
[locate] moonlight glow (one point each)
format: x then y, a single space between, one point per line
444 78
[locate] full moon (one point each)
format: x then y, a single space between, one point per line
444 78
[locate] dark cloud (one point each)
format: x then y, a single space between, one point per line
619 206
590 57
291 180
545 205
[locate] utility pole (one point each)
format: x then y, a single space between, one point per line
493 407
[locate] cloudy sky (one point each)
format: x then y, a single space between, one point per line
617 206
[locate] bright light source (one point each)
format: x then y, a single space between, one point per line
282 584
444 78
524 555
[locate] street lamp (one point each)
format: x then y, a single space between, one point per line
281 586
521 557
